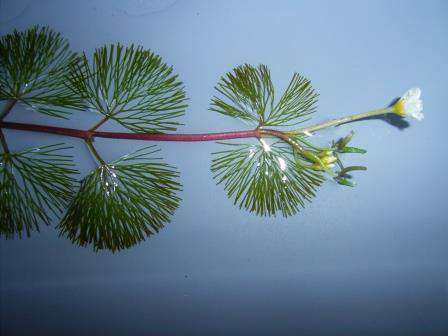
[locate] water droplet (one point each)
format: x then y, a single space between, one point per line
108 178
282 163
266 146
251 152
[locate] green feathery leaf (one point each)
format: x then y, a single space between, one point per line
247 93
265 178
33 182
33 69
121 203
132 86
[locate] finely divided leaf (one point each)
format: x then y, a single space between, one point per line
33 69
123 202
132 86
247 93
265 179
34 184
298 101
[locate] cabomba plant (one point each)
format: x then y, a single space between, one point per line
120 203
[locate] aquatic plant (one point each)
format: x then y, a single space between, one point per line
122 202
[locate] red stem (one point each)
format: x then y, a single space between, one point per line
77 133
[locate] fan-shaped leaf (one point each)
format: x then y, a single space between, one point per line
32 183
123 202
247 93
131 86
33 69
265 178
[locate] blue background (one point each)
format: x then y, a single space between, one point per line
363 261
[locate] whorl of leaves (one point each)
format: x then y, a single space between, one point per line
132 86
248 93
33 69
265 179
34 184
123 202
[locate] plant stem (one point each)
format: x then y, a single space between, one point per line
3 142
76 133
284 136
7 108
339 121
96 126
256 133
93 150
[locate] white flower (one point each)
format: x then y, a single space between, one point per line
410 104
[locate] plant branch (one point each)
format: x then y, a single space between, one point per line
284 136
96 126
7 108
339 121
3 142
93 150
81 134
256 133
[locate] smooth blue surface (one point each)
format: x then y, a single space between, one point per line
365 261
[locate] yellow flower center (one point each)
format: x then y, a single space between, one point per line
399 108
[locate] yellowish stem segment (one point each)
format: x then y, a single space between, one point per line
339 121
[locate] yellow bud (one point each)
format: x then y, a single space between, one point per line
325 153
329 159
311 156
317 166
